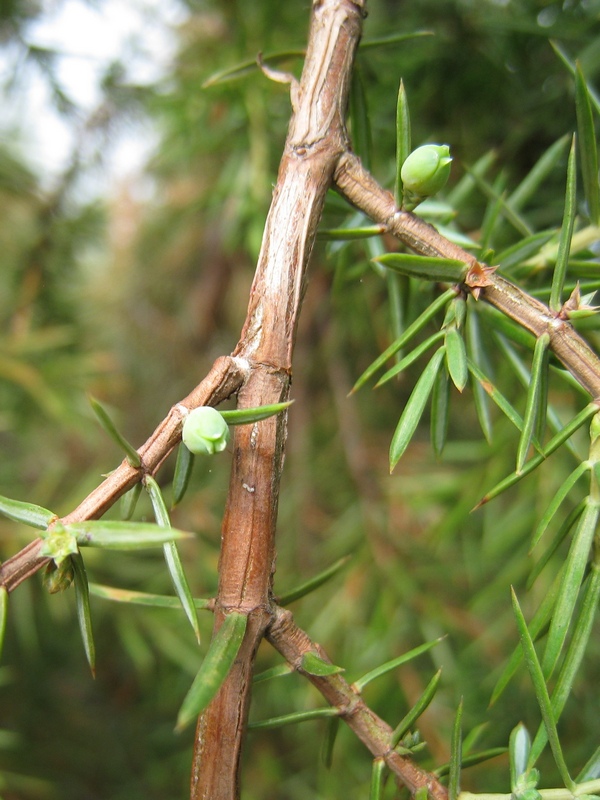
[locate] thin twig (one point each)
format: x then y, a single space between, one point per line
293 644
359 187
225 377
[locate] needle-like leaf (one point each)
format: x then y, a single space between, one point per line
246 416
559 537
440 406
557 440
566 231
587 145
571 584
118 535
538 173
129 501
430 268
27 513
360 684
538 624
244 68
216 665
143 598
84 616
183 472
109 426
455 754
333 728
410 358
403 139
415 712
315 665
313 583
350 234
535 399
172 557
414 409
541 692
575 652
456 357
476 356
557 500
377 772
408 334
293 719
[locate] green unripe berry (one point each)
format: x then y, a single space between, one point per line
425 172
205 432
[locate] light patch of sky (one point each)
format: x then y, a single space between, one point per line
89 37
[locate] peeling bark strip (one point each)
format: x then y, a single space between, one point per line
316 139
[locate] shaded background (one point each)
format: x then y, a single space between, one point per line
128 285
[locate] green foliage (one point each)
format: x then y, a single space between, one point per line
215 667
124 317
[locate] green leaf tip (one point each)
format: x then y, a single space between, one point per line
84 614
455 754
360 684
313 664
414 409
246 416
172 557
315 582
131 454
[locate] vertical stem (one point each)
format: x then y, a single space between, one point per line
316 139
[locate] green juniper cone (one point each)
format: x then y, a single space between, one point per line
425 172
205 432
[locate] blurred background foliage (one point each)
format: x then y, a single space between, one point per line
130 293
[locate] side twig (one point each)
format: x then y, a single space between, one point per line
293 644
225 377
360 188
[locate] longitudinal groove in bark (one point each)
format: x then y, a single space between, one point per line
316 138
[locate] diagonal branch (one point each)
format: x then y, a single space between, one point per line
293 644
360 188
225 377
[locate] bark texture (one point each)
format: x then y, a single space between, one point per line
316 139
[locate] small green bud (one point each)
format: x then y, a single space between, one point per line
425 172
205 432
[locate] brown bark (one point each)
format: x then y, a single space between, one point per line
363 191
316 138
374 733
222 381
